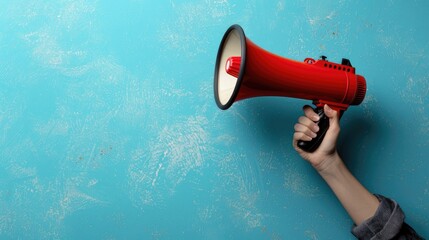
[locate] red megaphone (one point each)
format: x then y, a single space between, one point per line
244 70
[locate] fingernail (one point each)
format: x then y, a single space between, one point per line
316 118
313 135
316 128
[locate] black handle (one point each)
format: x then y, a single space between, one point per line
323 123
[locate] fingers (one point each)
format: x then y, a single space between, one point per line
306 129
310 119
297 136
309 112
307 123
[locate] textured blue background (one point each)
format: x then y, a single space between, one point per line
109 129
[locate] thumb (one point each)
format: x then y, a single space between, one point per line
329 142
331 114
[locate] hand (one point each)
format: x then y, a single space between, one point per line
356 199
306 129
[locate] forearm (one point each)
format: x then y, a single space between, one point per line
355 198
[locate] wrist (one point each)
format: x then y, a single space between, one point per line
330 166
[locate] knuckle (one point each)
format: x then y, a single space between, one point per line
296 126
298 135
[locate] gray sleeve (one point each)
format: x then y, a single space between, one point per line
385 224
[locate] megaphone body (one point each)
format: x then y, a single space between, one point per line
244 70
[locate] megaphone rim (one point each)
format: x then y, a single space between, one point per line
240 31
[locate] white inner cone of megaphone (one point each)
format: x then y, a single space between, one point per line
226 83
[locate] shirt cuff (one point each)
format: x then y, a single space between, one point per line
385 224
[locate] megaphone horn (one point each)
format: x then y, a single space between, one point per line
244 70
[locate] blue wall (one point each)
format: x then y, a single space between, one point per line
109 129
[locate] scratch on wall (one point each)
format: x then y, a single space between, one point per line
402 49
72 200
59 189
7 220
296 180
12 109
297 183
240 177
178 150
368 106
416 94
311 235
184 40
46 40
